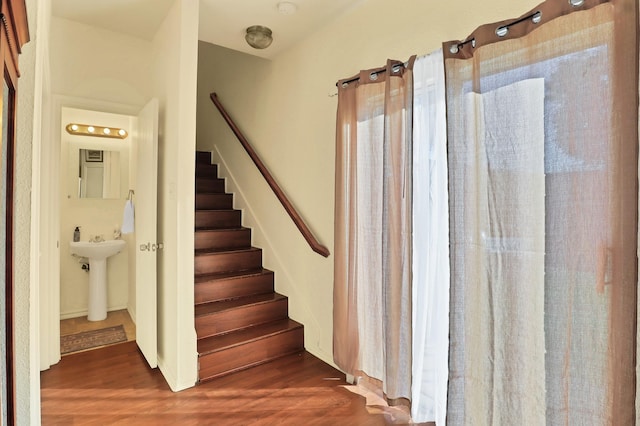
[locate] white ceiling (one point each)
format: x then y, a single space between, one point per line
222 22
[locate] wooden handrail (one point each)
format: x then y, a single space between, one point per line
295 216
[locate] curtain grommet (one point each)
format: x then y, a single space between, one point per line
502 31
536 18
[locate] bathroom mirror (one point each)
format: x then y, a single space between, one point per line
97 173
95 166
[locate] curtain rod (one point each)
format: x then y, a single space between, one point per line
374 71
501 31
515 28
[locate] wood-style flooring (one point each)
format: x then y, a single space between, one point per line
113 385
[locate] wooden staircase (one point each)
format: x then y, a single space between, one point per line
240 321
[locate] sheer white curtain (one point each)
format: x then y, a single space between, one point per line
576 309
430 282
497 206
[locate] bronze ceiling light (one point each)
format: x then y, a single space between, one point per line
259 37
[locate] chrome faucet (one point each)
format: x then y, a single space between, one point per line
96 239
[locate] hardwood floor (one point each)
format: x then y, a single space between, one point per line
113 385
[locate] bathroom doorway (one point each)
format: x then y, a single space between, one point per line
133 175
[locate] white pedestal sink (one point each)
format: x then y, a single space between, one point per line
97 253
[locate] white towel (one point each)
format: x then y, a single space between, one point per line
128 218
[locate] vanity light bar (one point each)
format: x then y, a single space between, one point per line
99 131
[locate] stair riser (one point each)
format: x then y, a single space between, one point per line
214 201
251 354
227 262
210 185
233 288
206 170
235 319
240 322
203 157
218 219
234 238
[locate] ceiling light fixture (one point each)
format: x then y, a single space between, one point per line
258 37
100 131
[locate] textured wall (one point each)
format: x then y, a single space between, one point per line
23 314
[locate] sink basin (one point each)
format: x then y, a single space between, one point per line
97 253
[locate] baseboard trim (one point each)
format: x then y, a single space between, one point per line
85 312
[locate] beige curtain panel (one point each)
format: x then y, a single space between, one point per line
543 172
372 273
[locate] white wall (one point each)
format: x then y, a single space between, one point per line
226 72
174 80
89 62
286 113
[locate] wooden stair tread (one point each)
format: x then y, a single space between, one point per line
216 210
209 179
213 200
204 252
209 185
222 218
220 286
225 305
240 320
209 191
231 228
230 275
252 353
214 194
224 341
214 229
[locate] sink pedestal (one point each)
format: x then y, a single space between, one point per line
97 290
97 253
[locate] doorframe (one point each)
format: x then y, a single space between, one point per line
49 294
